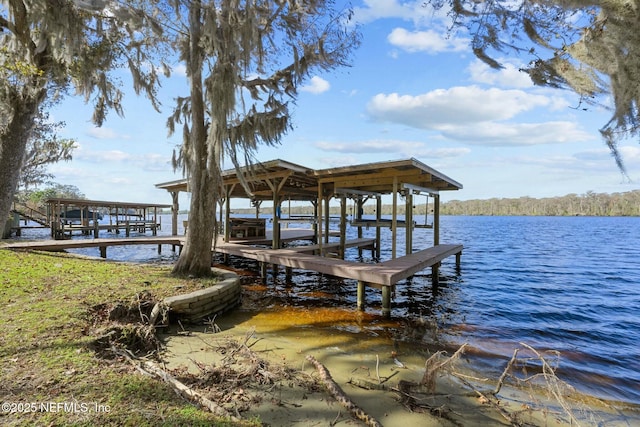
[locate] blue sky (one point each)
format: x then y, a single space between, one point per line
412 91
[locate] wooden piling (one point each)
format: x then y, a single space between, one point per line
386 301
361 298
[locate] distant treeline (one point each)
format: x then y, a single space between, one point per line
588 204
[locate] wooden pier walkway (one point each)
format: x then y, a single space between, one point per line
102 244
384 275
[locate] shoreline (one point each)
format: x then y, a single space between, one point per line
458 399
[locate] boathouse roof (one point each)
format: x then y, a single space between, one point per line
86 203
298 182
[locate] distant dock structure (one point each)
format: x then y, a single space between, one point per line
68 216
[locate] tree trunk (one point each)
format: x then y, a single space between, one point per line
13 143
195 259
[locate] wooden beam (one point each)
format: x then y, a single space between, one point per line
419 189
260 177
354 192
385 174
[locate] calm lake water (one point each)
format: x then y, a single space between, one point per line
570 284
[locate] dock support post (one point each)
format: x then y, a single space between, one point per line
361 295
408 220
263 272
436 219
386 301
358 218
458 257
378 218
287 273
103 251
315 222
343 226
435 275
394 218
318 209
327 219
159 249
175 208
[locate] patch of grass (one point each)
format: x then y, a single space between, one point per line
48 320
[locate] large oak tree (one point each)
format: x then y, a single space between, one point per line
245 60
50 46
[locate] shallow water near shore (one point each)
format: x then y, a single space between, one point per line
570 284
361 347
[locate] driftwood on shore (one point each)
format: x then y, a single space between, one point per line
149 368
337 392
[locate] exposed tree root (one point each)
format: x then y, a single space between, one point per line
340 395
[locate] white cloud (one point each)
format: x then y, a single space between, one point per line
415 11
517 134
477 116
426 41
316 86
105 133
630 153
179 70
148 161
377 9
101 156
509 76
401 148
373 146
457 105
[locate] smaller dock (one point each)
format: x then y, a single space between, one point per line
69 216
384 275
102 244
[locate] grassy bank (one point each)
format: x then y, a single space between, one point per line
54 307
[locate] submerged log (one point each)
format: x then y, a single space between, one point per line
340 395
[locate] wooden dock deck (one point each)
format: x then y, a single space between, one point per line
384 275
102 244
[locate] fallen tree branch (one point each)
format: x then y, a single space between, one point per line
493 402
554 384
149 368
340 395
505 372
432 367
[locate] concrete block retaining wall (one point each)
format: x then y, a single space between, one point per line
195 306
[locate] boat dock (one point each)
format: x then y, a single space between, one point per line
66 217
100 243
384 275
277 181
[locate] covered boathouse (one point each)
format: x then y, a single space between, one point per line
277 181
